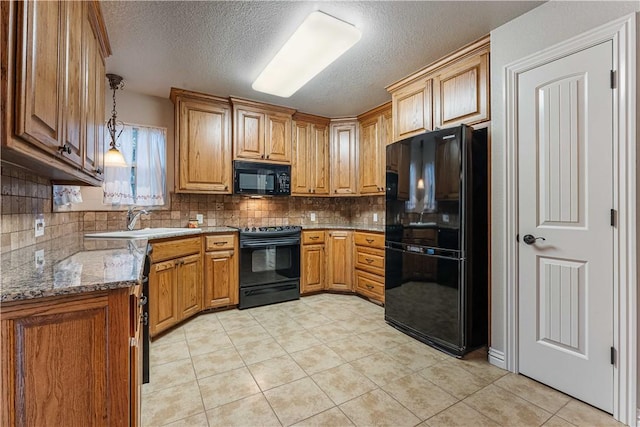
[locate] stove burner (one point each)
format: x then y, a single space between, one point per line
270 229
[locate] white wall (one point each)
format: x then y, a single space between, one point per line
538 29
139 109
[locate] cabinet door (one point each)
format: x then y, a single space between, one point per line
391 161
370 173
73 88
460 92
318 162
313 269
189 286
343 157
204 147
65 362
249 136
302 159
163 296
94 78
340 271
221 279
412 109
278 138
39 74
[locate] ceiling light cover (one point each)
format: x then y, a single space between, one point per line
317 42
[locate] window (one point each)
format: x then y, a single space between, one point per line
143 183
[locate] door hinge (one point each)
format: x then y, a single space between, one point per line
613 217
613 355
614 79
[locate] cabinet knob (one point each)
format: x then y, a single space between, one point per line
262 156
369 286
143 300
226 187
309 190
268 156
66 148
99 171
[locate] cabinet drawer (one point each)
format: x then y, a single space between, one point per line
175 248
369 239
219 241
312 237
370 259
370 285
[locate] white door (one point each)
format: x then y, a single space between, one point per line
565 144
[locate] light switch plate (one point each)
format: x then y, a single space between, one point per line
200 218
313 216
39 259
375 217
39 225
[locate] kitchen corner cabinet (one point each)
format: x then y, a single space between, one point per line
221 271
262 132
310 151
448 92
313 262
340 263
175 282
66 360
374 129
203 143
55 63
344 157
369 264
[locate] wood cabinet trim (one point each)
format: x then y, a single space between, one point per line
374 112
99 27
310 118
473 48
261 106
177 95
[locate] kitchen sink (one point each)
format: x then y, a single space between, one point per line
145 233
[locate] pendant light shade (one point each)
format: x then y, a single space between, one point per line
113 157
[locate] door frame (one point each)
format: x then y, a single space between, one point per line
622 32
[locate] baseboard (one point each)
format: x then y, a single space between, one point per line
496 358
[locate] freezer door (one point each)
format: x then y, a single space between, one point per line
423 297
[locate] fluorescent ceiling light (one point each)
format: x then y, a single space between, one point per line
317 42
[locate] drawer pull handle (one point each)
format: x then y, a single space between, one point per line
369 286
220 243
143 300
369 260
314 237
369 240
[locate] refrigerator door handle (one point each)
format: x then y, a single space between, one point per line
426 251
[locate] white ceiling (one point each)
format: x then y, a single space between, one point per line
220 47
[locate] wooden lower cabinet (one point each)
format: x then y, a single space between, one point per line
313 268
66 360
369 264
370 285
340 264
175 282
221 271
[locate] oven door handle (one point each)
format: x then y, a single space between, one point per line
264 243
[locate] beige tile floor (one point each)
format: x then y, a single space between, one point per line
331 360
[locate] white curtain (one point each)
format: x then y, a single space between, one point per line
150 176
144 146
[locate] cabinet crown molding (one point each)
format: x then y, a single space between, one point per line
380 109
198 96
310 118
472 48
256 104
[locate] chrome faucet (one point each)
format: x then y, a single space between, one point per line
133 217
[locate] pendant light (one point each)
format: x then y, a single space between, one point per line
113 157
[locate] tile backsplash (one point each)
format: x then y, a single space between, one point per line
24 195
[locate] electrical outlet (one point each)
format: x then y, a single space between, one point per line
39 259
375 217
39 225
200 218
445 218
313 216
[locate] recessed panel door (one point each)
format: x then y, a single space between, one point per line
566 274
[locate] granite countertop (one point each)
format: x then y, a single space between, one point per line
70 265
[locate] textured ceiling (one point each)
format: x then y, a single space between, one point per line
220 47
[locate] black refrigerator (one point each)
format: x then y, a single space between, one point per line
436 238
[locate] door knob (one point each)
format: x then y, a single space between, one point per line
530 240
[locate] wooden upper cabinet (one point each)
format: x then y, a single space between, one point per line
262 132
448 92
203 143
310 150
461 92
40 68
412 109
57 115
344 157
374 130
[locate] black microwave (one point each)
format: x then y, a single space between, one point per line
262 179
